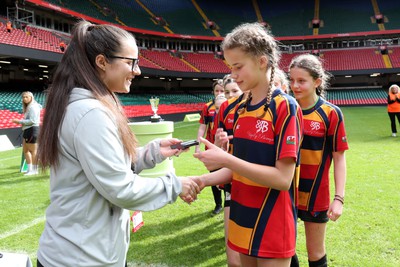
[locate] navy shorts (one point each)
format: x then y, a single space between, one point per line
315 216
31 134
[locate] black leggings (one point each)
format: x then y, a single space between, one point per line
392 116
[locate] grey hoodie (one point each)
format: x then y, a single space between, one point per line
93 189
31 115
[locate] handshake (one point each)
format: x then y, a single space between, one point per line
213 159
191 187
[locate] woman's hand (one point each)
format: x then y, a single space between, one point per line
190 189
167 151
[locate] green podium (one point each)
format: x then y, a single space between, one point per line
147 131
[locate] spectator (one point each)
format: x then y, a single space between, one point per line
9 26
30 128
62 46
393 107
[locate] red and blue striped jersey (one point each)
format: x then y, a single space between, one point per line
262 219
207 118
324 133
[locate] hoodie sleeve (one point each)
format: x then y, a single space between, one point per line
100 152
32 116
148 156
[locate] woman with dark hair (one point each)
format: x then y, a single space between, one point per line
89 147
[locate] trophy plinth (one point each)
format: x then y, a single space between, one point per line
154 107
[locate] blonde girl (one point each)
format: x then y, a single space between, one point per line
30 128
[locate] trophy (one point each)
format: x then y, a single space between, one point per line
154 106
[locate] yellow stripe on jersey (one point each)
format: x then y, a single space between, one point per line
245 181
241 240
314 116
303 198
311 157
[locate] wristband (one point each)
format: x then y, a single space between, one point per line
339 198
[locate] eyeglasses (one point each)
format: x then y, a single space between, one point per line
135 61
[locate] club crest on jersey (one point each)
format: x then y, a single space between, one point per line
262 126
290 140
315 125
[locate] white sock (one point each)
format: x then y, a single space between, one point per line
35 168
29 167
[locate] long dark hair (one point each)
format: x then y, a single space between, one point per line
78 69
313 65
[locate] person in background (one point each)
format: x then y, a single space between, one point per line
90 149
264 163
393 107
62 46
206 121
231 89
218 101
9 26
324 140
225 128
30 130
281 81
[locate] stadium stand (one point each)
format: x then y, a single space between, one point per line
32 37
390 9
177 14
135 105
341 16
394 55
231 14
190 17
353 59
206 62
166 60
292 20
351 97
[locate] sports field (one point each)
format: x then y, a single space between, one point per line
368 233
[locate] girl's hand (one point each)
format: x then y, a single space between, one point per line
199 181
190 189
335 210
213 158
222 139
